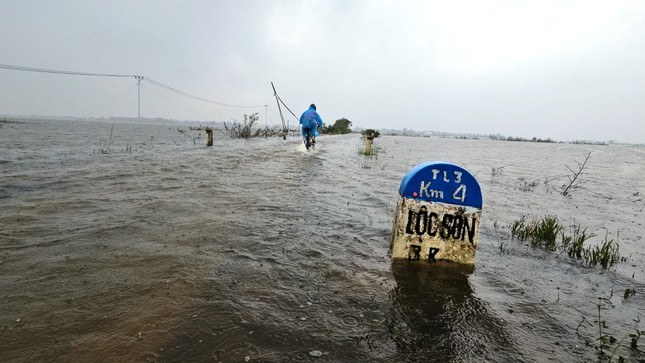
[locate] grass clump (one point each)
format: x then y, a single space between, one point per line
604 254
547 231
549 234
574 245
541 233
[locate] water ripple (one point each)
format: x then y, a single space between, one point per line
259 249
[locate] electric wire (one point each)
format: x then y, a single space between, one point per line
150 102
169 100
122 95
55 71
123 101
138 77
196 97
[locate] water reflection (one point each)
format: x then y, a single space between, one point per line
437 318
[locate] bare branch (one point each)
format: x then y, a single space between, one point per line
576 174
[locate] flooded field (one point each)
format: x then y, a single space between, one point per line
153 247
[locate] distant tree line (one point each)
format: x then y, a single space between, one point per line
547 140
512 138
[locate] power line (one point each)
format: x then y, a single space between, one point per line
138 77
44 70
123 96
196 97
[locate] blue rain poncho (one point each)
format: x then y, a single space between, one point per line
309 120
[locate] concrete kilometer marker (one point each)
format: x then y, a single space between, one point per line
437 214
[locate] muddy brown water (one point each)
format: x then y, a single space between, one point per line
165 250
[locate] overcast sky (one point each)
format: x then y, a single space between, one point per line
561 69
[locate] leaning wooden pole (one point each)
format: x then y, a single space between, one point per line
277 100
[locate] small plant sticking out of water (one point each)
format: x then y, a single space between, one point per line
605 341
575 179
629 293
544 233
527 185
365 164
606 345
495 172
635 337
502 248
575 175
192 136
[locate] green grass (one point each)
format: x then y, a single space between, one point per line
547 231
544 233
605 254
541 233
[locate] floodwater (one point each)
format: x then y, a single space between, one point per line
166 250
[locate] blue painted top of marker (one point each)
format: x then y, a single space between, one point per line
442 182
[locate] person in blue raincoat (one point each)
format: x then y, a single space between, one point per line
310 121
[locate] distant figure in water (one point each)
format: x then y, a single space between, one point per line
310 121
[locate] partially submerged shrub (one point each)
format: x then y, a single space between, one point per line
244 129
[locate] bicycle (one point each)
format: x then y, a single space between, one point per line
309 140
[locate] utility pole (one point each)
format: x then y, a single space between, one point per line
285 129
139 78
265 116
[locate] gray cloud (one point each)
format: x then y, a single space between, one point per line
565 70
